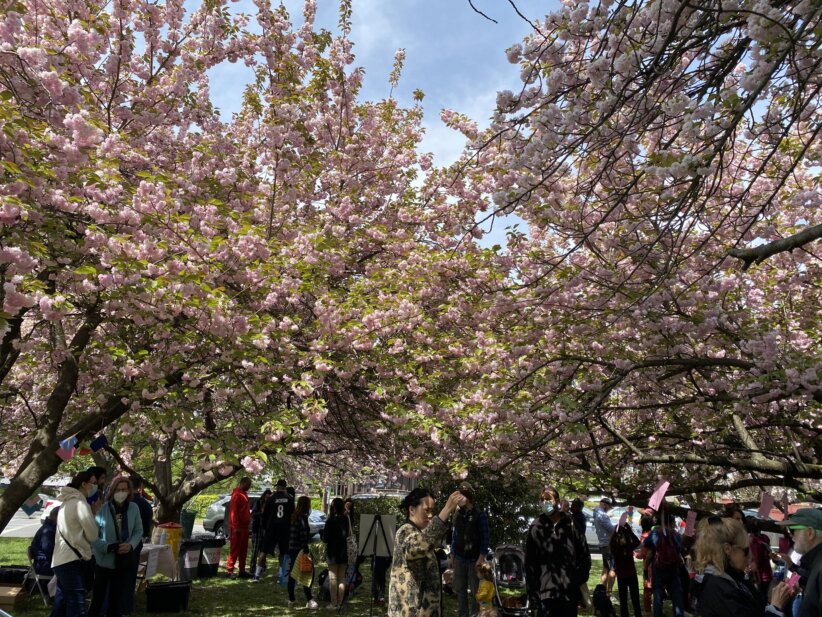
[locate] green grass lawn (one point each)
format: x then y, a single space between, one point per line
221 597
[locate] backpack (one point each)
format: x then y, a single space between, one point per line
666 554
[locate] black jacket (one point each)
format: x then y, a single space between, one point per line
727 595
300 535
335 535
557 559
810 568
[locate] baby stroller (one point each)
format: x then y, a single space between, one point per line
509 580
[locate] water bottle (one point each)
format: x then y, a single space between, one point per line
163 536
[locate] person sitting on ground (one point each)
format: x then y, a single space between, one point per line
720 586
42 545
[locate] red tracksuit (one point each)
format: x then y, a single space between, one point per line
239 521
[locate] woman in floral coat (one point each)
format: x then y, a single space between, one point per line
416 587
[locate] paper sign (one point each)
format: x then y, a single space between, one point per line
690 523
659 494
784 545
99 443
622 519
765 506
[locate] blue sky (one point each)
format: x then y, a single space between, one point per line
455 56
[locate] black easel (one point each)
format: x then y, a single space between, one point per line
371 535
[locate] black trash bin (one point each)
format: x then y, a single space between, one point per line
210 557
167 597
189 560
187 522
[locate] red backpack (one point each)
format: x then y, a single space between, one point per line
666 554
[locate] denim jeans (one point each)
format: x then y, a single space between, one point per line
465 586
668 580
70 599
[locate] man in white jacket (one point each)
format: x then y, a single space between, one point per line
76 530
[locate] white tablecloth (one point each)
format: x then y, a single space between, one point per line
159 560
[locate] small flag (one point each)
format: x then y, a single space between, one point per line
66 455
83 451
659 494
68 443
31 505
99 443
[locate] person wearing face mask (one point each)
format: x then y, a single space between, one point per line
120 533
416 583
99 474
557 560
720 587
76 530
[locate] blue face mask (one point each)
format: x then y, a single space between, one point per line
549 508
92 491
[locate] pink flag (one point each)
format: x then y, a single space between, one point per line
66 455
690 523
659 494
623 519
765 506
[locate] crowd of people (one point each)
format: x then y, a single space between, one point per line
92 542
724 567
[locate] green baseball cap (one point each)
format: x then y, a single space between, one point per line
804 517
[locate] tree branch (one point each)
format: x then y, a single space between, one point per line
758 254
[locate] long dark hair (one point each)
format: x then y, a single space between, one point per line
302 508
414 498
337 507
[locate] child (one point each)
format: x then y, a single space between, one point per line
485 592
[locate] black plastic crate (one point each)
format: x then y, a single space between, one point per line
13 575
167 597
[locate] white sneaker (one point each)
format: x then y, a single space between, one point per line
312 605
291 603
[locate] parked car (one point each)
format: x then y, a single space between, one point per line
214 520
316 523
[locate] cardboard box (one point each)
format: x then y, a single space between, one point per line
13 596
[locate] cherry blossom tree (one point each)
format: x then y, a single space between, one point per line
228 291
665 156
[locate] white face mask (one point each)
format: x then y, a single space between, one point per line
120 496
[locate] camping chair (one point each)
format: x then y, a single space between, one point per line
41 581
